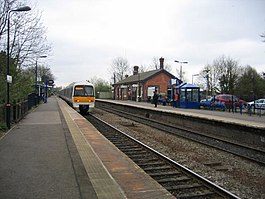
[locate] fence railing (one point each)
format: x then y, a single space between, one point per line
19 109
260 111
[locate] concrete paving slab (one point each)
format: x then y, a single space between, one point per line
35 159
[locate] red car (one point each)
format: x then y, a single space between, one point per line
228 100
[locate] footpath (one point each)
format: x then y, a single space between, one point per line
38 158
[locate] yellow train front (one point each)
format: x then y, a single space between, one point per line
80 95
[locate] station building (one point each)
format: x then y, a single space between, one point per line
140 86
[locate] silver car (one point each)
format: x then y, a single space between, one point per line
260 103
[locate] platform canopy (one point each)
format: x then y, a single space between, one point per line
187 85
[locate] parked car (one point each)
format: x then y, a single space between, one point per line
260 103
210 103
228 100
206 102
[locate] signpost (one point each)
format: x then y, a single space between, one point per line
48 82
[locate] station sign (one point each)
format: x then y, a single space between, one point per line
50 82
9 79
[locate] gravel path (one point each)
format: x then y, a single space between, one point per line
242 177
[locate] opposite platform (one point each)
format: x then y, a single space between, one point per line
232 127
226 117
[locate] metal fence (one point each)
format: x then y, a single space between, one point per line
259 111
19 109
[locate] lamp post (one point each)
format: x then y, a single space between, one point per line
8 76
139 88
207 81
37 94
181 62
193 76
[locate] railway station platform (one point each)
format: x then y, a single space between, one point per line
56 153
223 116
237 128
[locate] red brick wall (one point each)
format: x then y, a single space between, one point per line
161 81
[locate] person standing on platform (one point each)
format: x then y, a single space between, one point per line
176 99
155 98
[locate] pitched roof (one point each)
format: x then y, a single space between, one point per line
144 76
187 85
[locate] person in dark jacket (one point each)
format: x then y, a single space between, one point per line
155 98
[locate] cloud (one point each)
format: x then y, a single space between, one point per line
88 34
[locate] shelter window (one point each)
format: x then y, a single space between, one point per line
183 96
195 95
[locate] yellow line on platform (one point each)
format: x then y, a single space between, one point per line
105 186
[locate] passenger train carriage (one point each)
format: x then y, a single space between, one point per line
80 95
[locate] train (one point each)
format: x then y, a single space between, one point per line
79 95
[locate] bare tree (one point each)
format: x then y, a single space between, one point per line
208 80
155 63
100 84
30 72
27 42
143 69
227 72
119 68
4 7
45 71
27 33
221 76
31 42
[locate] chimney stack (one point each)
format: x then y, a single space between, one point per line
135 70
161 60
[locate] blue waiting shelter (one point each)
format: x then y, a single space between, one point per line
189 96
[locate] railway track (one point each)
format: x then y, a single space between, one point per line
254 154
177 179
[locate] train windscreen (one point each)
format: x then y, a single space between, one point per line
84 90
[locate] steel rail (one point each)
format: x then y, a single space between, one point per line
247 152
140 149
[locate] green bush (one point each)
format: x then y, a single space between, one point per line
3 127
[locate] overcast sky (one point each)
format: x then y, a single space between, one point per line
87 35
